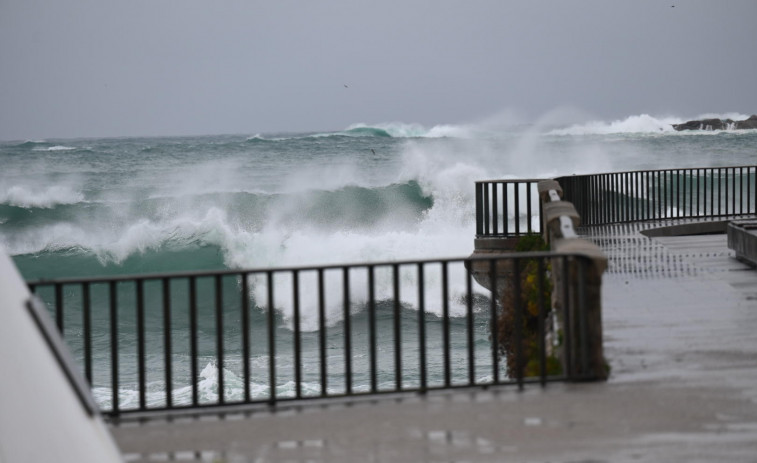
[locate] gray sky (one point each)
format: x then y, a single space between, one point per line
156 67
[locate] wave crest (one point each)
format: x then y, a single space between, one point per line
31 144
403 130
366 132
381 130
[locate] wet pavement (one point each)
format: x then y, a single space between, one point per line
680 334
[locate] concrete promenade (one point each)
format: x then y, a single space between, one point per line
680 334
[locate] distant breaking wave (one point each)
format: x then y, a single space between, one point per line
44 146
643 123
31 144
383 130
56 148
402 130
258 138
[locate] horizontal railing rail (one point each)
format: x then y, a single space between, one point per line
623 197
507 208
162 342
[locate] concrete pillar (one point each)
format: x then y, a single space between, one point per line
581 296
577 287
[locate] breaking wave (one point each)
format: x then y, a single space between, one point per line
113 234
638 124
381 130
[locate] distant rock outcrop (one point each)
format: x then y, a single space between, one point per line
718 124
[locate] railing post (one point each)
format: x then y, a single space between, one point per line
141 345
422 329
219 337
446 326
270 319
114 347
245 294
167 348
193 343
469 329
297 334
372 349
347 331
397 326
517 208
322 340
87 322
486 210
479 209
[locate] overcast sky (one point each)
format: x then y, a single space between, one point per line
152 67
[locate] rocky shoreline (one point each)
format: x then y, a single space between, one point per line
718 124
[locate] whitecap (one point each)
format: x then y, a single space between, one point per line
46 197
56 148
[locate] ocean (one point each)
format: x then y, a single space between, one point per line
394 191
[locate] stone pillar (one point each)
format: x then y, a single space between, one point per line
577 286
581 298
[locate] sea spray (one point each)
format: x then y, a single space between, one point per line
637 124
359 198
139 205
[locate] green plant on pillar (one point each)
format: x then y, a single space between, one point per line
535 295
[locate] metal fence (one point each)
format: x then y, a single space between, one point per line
191 340
507 208
662 194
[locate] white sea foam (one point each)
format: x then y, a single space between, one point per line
643 123
55 148
207 390
43 197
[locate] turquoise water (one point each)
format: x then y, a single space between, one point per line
90 207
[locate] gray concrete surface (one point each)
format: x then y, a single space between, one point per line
680 320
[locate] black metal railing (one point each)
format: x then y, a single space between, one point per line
662 194
190 340
507 208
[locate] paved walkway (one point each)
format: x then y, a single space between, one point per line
680 330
